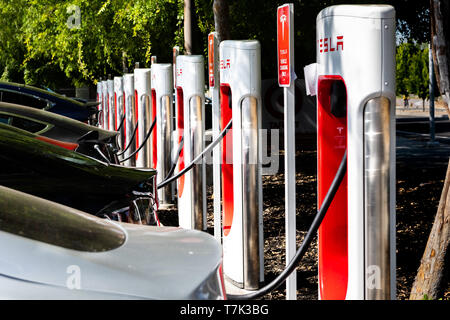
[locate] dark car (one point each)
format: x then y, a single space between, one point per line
46 170
44 99
93 141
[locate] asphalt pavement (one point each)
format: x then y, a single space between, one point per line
414 143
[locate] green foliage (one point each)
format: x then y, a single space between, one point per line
412 70
11 44
419 76
39 45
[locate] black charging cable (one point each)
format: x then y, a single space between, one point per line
143 142
121 124
131 140
306 242
174 165
197 158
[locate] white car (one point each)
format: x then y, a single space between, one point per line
50 251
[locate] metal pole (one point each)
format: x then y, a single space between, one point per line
289 160
431 89
290 182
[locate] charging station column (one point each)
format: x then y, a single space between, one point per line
111 104
100 100
144 113
191 127
214 87
240 93
356 112
105 107
119 102
130 117
162 100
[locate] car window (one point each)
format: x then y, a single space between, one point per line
26 124
22 99
34 218
4 119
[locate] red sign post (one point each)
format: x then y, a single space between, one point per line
285 33
211 60
284 45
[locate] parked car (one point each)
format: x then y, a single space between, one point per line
52 251
93 141
44 99
49 169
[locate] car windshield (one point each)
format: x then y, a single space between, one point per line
38 219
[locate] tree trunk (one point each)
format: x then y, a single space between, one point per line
187 27
433 266
440 41
428 283
124 62
222 19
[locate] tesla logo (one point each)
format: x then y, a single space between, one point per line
283 19
326 44
225 64
373 277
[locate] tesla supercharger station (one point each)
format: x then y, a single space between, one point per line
111 104
145 115
130 117
356 112
162 100
190 116
100 105
105 105
119 103
240 96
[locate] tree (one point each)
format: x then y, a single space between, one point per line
418 77
11 44
435 263
403 60
412 74
38 46
56 49
440 41
222 19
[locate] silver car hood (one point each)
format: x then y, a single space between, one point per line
153 263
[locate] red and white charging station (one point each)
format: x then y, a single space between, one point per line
111 104
214 88
356 112
119 110
144 114
240 95
105 107
190 115
162 100
100 105
130 117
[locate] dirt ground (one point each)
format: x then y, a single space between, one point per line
419 183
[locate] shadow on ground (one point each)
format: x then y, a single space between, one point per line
421 171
